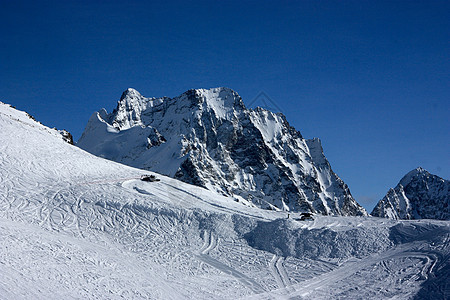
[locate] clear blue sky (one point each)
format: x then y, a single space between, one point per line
370 78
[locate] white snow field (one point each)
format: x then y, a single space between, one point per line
73 225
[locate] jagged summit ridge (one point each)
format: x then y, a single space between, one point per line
418 195
209 138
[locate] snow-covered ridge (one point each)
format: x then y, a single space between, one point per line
25 118
418 195
208 137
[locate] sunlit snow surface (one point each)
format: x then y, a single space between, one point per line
76 226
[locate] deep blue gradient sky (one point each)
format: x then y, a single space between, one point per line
370 78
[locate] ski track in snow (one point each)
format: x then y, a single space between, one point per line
279 273
306 288
210 243
275 271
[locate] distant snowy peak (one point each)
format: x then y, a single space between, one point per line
419 195
208 137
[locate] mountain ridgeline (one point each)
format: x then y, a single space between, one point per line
210 139
418 195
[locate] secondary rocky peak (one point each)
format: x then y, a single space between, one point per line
128 111
419 195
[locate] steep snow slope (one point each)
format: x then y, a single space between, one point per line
208 138
73 225
419 195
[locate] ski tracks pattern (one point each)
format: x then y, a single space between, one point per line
278 271
210 242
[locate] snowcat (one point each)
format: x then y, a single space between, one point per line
306 216
149 178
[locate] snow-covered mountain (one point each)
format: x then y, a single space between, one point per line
210 139
76 226
419 195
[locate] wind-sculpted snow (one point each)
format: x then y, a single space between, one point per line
419 195
290 239
208 138
75 226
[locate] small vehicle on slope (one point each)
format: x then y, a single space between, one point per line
306 217
149 178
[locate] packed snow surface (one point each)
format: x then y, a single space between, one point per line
73 225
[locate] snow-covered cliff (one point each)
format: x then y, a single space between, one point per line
210 139
419 195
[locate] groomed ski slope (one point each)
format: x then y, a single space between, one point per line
73 225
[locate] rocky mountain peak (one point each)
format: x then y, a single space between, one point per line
416 174
208 137
130 93
222 101
418 195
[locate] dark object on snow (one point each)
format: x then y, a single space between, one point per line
149 178
67 137
306 216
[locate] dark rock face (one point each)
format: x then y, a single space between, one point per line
419 195
67 136
208 138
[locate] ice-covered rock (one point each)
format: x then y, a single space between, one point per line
210 139
419 195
